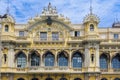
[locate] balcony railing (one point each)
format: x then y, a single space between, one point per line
54 69
73 38
63 68
48 39
116 70
21 37
77 69
104 70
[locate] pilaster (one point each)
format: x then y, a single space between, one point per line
11 54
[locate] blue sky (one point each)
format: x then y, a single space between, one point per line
106 10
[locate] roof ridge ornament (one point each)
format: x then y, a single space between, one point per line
49 10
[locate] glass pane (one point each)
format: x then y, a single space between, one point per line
6 28
77 60
21 60
116 62
21 33
103 62
35 59
91 27
116 36
62 60
43 35
55 36
49 59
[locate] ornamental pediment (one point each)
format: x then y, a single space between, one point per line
48 17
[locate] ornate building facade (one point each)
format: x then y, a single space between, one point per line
50 47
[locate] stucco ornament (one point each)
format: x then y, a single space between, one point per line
8 19
91 17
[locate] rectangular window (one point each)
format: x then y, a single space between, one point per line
43 35
21 33
77 33
55 36
116 36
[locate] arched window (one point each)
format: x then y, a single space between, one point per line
49 59
77 60
91 27
34 78
116 62
117 79
6 28
21 60
35 59
77 79
103 61
63 79
48 79
103 79
62 59
20 79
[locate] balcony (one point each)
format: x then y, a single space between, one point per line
22 39
73 39
116 70
54 69
63 68
77 69
7 38
47 39
104 70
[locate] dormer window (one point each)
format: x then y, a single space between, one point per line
91 27
6 28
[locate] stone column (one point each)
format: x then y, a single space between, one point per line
110 78
56 59
11 77
42 60
86 77
110 63
70 61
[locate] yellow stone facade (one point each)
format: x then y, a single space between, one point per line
55 34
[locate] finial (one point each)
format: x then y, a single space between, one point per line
91 7
49 3
116 18
8 9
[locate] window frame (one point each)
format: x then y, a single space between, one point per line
116 36
43 36
21 60
33 59
92 27
77 33
103 62
6 28
77 57
51 62
55 36
21 33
